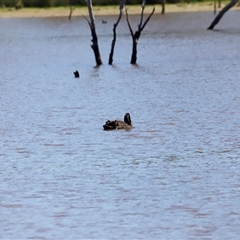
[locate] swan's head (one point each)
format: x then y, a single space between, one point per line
127 119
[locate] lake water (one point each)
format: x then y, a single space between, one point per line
175 175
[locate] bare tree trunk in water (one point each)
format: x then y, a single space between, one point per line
71 11
137 34
163 6
221 13
219 3
121 6
215 6
19 4
94 40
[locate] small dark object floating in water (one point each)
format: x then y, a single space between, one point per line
76 74
104 21
118 124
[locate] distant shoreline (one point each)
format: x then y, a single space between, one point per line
103 10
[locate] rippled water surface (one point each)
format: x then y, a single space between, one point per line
175 175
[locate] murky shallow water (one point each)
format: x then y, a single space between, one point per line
174 176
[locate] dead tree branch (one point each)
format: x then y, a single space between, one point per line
121 6
221 13
94 40
137 34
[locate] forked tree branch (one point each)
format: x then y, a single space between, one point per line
148 18
137 34
129 25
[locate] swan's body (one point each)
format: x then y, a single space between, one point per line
118 124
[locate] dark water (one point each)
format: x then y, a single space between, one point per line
174 176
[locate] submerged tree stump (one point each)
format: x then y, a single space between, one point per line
221 13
